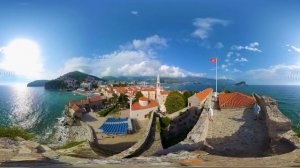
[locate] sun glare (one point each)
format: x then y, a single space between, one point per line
22 56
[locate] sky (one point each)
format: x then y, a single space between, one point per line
253 40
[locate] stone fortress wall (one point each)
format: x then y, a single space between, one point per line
278 125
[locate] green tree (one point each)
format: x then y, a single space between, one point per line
186 95
137 96
123 100
114 98
94 85
174 102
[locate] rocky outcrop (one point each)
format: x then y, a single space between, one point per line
82 150
12 150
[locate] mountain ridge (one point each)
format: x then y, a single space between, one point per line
169 80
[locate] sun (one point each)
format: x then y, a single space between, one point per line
22 57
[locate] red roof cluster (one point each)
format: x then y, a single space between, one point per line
143 98
75 107
137 106
164 92
204 93
235 100
95 99
148 89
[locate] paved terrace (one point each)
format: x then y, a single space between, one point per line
234 132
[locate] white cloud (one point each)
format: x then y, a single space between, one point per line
276 74
251 47
236 70
204 26
242 59
293 48
148 43
229 54
219 45
137 58
224 66
134 12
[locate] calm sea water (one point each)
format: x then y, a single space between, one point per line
288 97
34 109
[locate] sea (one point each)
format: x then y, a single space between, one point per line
34 109
39 111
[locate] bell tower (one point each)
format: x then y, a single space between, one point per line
158 88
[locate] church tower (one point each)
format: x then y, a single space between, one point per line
158 89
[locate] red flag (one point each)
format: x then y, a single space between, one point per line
214 60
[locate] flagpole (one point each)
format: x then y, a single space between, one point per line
216 77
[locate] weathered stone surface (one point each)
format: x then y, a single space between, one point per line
282 138
138 147
82 150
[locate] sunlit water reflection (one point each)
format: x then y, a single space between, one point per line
34 109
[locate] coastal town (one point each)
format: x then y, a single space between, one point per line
138 120
134 123
149 83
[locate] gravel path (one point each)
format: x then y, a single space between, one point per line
236 133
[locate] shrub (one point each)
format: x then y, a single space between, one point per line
297 131
158 127
165 122
227 91
174 102
186 95
110 109
137 96
15 132
69 145
149 114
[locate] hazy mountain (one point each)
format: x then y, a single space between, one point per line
170 80
37 83
70 81
79 76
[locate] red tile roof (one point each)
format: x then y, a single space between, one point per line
81 102
120 89
164 92
204 93
148 89
95 99
137 106
143 98
235 100
75 107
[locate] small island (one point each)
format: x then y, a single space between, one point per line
242 83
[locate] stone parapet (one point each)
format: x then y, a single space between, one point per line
278 125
